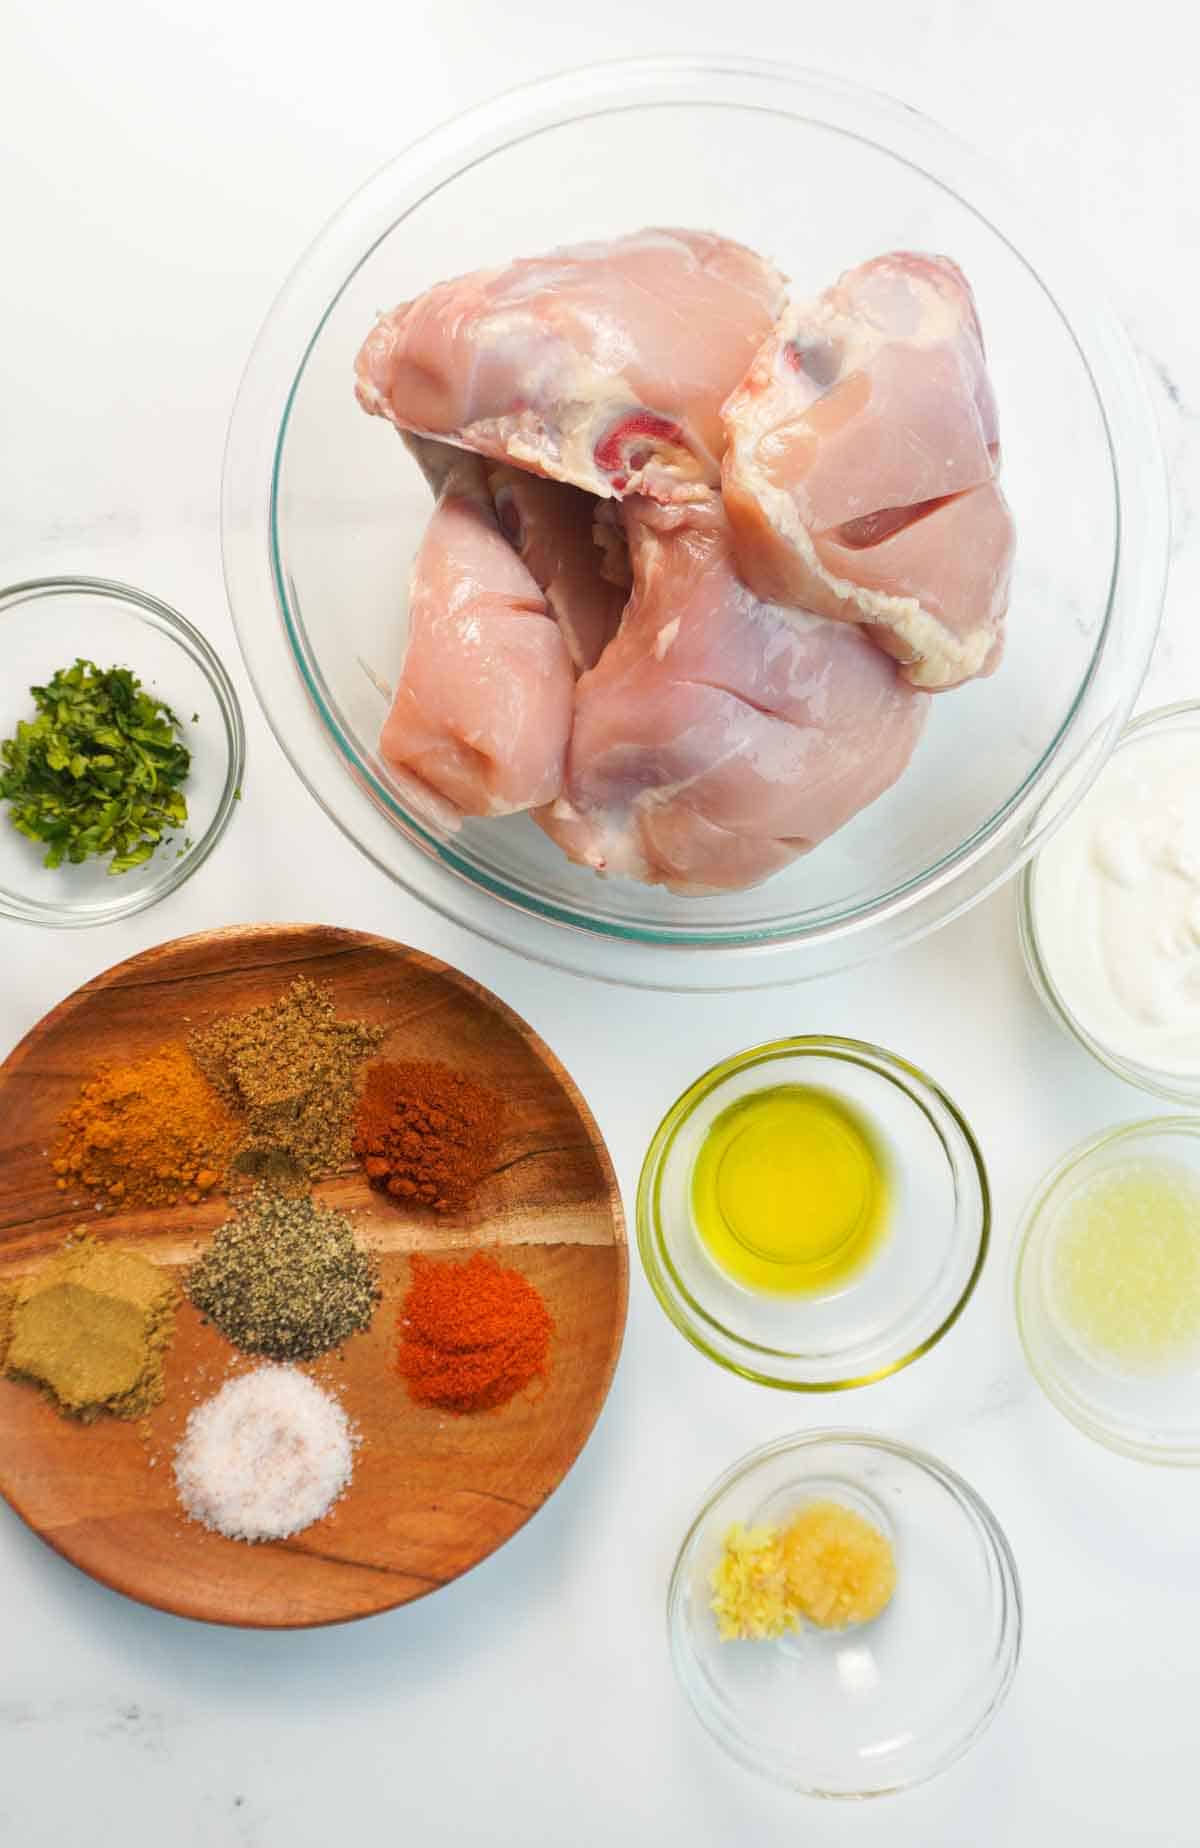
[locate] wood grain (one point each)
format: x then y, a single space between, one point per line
432 1494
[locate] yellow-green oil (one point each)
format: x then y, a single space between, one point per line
1125 1266
790 1190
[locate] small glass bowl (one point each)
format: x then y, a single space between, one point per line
45 625
874 1708
916 1285
1179 1086
1152 1416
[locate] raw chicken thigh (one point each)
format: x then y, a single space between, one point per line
603 364
720 736
860 471
480 720
696 555
550 525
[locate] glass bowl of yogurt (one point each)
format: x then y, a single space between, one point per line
1110 910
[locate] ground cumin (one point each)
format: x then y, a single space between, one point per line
291 1066
473 1334
426 1134
90 1328
146 1134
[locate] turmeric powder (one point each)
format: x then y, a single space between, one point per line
147 1134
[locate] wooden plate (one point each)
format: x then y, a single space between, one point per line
432 1494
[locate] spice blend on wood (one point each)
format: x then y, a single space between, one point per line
291 1067
284 1278
473 1334
426 1134
90 1328
150 1133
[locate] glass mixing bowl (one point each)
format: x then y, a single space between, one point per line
323 508
875 1707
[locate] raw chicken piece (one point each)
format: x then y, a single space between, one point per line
481 717
860 472
601 364
550 525
720 736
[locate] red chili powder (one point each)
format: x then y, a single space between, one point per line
425 1134
472 1334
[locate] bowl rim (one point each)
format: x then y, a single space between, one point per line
965 1497
677 1302
255 570
1031 1228
1173 1086
200 651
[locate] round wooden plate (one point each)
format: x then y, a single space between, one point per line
432 1494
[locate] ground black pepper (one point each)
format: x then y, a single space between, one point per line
284 1278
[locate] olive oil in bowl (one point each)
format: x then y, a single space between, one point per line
790 1191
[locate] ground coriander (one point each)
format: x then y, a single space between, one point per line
8 1302
90 1327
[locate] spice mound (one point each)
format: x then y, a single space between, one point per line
147 1134
285 1278
265 1457
473 1334
426 1134
90 1328
8 1302
828 1565
291 1067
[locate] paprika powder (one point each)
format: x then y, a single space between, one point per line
473 1334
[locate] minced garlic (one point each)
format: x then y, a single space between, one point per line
749 1586
828 1565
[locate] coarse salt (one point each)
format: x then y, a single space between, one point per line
265 1457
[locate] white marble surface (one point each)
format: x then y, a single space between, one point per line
163 165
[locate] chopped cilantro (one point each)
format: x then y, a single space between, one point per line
98 771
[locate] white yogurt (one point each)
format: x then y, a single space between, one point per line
1116 901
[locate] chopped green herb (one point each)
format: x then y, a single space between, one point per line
98 771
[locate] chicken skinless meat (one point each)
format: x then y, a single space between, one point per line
719 736
551 527
603 364
481 716
860 472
